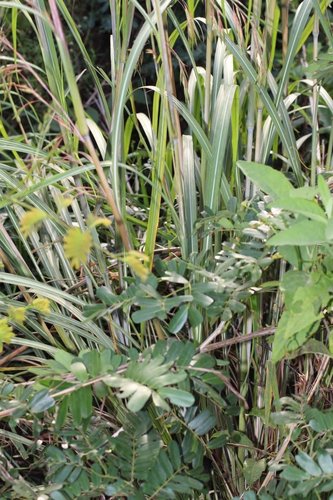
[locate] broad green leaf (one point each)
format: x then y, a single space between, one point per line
106 296
79 370
308 464
312 346
74 400
305 192
270 181
64 358
195 317
140 397
84 399
306 232
253 470
299 206
150 311
320 421
177 396
329 230
292 473
301 314
41 402
179 319
203 422
325 461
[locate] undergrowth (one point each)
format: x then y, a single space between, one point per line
166 250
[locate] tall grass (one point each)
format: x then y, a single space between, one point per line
160 178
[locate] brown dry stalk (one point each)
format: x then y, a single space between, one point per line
237 340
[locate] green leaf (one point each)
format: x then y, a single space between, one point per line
270 181
85 398
320 421
292 473
326 463
41 402
79 371
305 295
253 470
325 195
177 396
140 397
148 312
179 319
308 464
299 206
301 233
329 230
203 422
195 317
106 296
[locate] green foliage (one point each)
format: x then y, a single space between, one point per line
307 292
139 459
131 245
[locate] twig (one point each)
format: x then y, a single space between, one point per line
13 354
236 340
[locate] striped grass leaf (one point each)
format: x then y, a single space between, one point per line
269 104
190 197
129 69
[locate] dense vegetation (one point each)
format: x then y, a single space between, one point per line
166 249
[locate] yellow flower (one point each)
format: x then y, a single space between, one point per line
17 314
42 305
6 333
30 220
77 246
133 260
